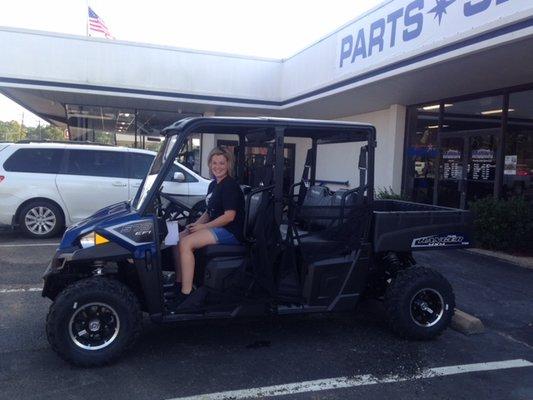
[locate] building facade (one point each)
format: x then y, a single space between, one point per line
448 85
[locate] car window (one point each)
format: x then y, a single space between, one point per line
140 164
176 168
97 163
44 161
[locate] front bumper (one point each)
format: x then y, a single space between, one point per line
53 277
58 274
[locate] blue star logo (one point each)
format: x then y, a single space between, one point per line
440 8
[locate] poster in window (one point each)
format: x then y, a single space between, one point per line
482 166
452 167
510 165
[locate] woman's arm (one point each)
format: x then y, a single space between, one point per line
223 220
204 218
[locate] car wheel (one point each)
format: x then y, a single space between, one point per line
419 303
41 219
93 321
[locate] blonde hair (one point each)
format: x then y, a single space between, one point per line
221 151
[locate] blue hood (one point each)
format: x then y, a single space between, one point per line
111 215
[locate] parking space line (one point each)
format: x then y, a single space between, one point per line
359 380
29 244
20 290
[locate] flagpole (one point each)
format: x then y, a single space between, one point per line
87 19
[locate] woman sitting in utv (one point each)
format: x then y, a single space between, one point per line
221 223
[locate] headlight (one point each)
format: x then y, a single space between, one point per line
92 239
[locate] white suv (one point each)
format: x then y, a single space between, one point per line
47 186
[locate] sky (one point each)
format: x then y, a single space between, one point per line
273 28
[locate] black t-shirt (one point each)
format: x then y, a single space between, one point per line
223 196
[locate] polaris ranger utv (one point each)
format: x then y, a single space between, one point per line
307 248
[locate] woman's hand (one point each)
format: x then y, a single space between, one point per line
195 227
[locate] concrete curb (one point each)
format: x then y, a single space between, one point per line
466 323
525 262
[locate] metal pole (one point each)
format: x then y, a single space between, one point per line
87 19
314 151
241 151
436 165
135 125
278 174
501 140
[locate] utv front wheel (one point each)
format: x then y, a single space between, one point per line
93 321
419 303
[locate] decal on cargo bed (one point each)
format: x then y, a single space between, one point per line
440 241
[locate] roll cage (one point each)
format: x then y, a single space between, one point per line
261 130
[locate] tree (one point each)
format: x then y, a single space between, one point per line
11 131
47 132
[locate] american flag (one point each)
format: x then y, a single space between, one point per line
97 26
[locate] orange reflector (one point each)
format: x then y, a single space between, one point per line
100 239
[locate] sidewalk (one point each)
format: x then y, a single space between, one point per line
526 262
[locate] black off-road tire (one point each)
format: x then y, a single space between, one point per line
101 290
45 206
402 300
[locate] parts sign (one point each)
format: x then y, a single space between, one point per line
402 28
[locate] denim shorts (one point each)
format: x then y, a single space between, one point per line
224 236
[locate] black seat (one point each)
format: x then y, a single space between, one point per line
224 250
322 207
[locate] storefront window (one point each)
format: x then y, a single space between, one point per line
468 151
452 151
149 126
100 124
518 165
150 123
478 114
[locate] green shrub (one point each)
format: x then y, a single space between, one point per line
388 194
502 224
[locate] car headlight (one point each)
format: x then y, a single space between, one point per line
92 239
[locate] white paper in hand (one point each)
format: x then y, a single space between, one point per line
173 235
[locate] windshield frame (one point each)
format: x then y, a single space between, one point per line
158 170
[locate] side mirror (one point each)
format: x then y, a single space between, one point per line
178 177
363 157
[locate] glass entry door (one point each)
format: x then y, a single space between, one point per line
467 167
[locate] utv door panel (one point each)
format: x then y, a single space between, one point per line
221 273
324 280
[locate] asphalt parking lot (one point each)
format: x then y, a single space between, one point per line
310 357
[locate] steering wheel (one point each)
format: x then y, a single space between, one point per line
176 210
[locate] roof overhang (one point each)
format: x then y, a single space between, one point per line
96 72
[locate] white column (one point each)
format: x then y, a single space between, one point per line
397 126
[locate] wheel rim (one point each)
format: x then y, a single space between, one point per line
40 220
427 307
94 326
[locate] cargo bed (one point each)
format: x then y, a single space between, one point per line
406 226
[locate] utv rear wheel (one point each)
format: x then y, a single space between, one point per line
419 303
93 321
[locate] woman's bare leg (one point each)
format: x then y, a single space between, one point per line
187 245
176 254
